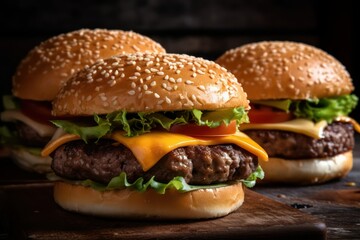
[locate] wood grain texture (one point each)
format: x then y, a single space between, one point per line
337 203
259 218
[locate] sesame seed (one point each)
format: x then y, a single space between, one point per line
133 85
145 87
188 82
131 92
153 83
193 75
147 71
201 87
148 78
168 101
177 71
160 73
179 80
133 77
138 68
148 92
156 95
112 83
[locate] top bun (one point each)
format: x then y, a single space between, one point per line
286 70
48 66
149 83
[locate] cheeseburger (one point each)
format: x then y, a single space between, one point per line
40 76
300 99
152 135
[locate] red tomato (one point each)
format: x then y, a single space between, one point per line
39 111
195 130
266 114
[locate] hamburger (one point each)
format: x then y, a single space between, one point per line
40 76
300 98
152 135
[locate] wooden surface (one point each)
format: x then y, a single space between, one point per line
336 203
30 212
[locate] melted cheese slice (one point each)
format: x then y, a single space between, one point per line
15 115
302 126
149 148
350 120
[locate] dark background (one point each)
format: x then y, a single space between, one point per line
201 28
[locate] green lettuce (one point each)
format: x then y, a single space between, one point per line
325 108
279 104
178 183
8 137
316 109
10 102
134 124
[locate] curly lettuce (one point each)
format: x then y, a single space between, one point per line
316 109
177 183
134 124
325 108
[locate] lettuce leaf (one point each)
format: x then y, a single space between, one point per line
134 124
10 102
178 183
279 104
325 108
316 109
8 137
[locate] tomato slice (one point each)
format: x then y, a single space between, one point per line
39 111
264 114
204 131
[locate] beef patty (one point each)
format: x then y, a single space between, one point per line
197 164
338 138
29 137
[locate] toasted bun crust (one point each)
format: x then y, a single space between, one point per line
48 66
306 171
208 203
149 82
286 70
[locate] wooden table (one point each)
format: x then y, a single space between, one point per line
336 203
280 212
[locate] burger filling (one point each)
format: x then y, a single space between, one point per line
200 165
338 138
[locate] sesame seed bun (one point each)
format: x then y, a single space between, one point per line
286 70
49 65
203 203
149 82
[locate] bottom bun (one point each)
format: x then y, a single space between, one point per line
203 203
306 171
30 162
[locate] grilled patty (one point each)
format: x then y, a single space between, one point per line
197 164
338 138
29 137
